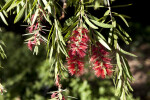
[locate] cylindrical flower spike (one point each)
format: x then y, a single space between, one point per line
100 61
77 50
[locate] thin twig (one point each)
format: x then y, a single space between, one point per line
109 7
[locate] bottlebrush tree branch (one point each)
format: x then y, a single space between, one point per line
79 36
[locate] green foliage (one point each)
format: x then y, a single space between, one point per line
23 65
59 35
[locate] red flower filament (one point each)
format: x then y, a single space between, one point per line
77 50
100 61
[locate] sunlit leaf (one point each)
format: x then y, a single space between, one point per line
89 23
104 43
14 4
104 25
3 18
7 4
35 16
20 14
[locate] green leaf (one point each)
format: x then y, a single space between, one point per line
49 36
96 5
70 21
5 13
46 16
67 29
119 65
35 50
63 49
58 32
35 16
113 22
126 69
34 4
124 32
56 68
104 25
3 18
118 90
51 53
126 5
93 17
7 4
127 53
123 96
104 43
106 14
100 35
121 36
121 16
89 23
129 86
20 14
47 5
115 40
110 37
14 4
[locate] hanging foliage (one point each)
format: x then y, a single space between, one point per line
80 37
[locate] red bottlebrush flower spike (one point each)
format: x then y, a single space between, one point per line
30 45
35 29
77 50
100 61
57 81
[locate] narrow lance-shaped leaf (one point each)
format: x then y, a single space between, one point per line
127 68
124 32
35 50
35 16
58 30
14 4
100 35
123 96
3 18
47 5
104 25
127 53
34 4
113 22
104 43
118 89
20 14
122 37
7 4
123 19
110 37
115 37
89 23
119 65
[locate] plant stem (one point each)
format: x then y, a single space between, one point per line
109 7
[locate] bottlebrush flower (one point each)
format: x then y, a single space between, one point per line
2 89
100 61
35 29
30 45
56 96
78 46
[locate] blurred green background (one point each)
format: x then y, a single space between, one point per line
28 77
